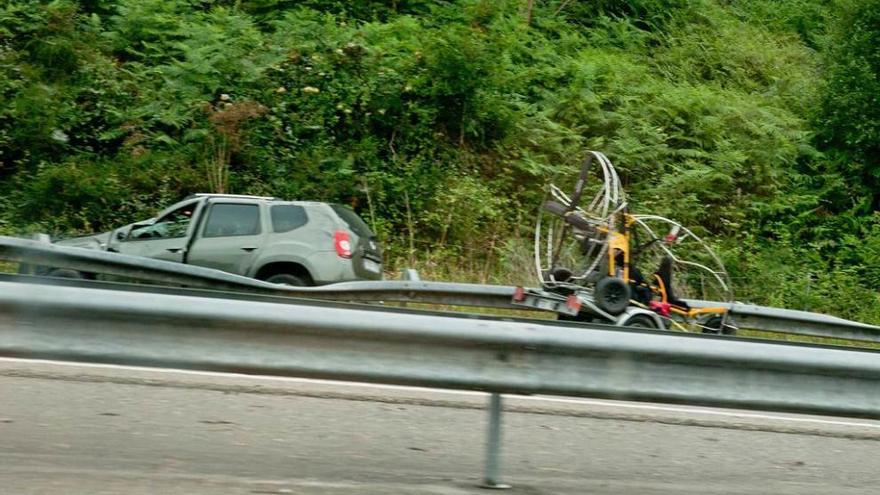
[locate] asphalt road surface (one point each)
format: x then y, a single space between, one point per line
71 429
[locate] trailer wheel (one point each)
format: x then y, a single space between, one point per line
612 295
641 321
582 317
715 325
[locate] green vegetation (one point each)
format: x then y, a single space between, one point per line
756 121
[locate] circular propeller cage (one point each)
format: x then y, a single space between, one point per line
698 273
572 231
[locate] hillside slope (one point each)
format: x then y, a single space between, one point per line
754 121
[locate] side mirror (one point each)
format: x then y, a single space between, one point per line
121 235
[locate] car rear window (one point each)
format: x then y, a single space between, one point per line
354 222
226 220
288 217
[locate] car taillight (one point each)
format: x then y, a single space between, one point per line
342 244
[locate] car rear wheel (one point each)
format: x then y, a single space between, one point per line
287 279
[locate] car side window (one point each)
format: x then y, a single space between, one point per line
173 224
287 217
227 220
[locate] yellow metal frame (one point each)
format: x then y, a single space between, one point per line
619 241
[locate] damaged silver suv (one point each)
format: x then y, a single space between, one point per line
287 242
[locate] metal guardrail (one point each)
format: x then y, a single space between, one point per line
167 272
429 350
796 322
409 291
33 252
304 340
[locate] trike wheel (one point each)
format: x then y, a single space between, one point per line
612 295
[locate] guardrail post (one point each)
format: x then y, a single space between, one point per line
27 268
493 445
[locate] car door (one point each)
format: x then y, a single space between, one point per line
164 239
230 238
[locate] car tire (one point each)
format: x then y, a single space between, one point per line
714 326
65 273
611 295
641 321
287 279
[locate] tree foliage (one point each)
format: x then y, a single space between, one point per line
849 122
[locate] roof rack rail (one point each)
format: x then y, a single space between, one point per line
219 195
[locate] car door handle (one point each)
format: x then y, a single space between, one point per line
175 250
249 248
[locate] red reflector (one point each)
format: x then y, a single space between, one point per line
573 303
342 244
519 294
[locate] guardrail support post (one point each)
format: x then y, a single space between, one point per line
493 446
